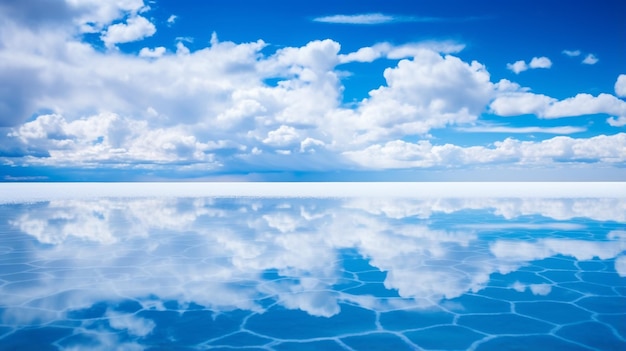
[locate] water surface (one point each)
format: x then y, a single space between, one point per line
314 273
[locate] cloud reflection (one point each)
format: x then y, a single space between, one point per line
234 253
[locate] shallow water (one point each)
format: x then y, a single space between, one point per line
353 273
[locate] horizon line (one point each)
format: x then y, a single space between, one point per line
20 192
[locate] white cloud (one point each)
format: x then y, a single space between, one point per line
135 28
371 53
246 108
366 54
620 86
522 130
540 62
369 18
506 86
110 138
412 49
181 49
310 145
317 55
590 59
616 122
94 15
537 62
518 66
586 104
152 53
282 136
520 103
185 39
426 92
172 19
78 81
402 154
571 53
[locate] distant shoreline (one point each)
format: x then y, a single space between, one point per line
28 192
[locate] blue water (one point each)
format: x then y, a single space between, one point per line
258 273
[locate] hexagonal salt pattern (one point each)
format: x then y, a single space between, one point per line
313 274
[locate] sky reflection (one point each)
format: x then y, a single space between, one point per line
323 257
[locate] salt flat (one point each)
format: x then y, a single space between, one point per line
19 192
278 273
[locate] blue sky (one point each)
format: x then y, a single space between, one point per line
324 90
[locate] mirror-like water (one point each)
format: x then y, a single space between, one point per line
313 274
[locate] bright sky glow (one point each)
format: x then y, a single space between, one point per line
46 191
324 90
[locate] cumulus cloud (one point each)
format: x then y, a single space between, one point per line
590 59
282 136
586 104
428 91
110 138
518 66
402 154
89 16
515 103
520 103
83 81
65 102
540 62
135 28
40 44
620 90
152 53
387 50
620 86
93 15
310 145
536 62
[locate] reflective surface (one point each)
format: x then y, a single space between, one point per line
313 274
